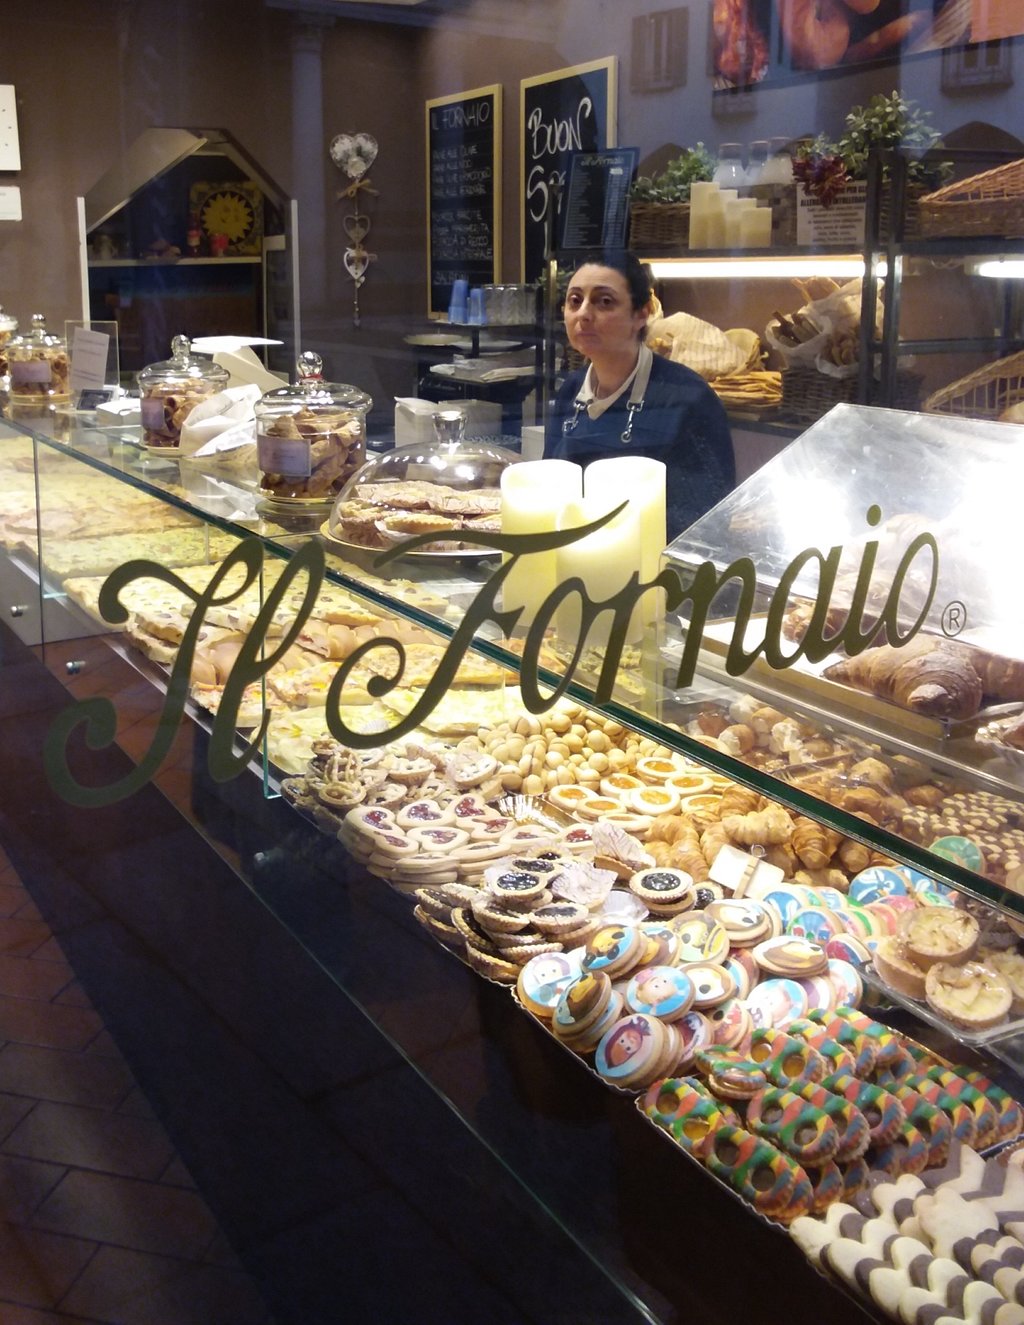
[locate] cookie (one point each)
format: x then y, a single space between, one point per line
544 979
666 992
794 1125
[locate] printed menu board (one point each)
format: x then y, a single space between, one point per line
463 192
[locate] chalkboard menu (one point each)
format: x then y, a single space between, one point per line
570 110
595 210
463 192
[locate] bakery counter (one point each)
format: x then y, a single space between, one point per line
328 1071
100 504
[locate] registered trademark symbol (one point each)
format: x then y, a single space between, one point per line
954 618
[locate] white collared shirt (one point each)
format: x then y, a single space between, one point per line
596 406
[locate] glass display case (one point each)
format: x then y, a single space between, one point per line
264 614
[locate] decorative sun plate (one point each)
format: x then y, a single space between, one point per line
234 209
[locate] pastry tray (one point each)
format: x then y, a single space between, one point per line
809 680
989 1039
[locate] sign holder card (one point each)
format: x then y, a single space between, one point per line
595 210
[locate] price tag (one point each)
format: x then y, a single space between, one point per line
89 350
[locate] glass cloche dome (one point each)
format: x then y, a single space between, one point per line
441 487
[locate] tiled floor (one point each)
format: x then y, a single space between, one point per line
99 1219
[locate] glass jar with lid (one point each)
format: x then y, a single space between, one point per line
729 173
311 437
171 390
778 169
8 326
39 366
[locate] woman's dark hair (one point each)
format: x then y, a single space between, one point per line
628 265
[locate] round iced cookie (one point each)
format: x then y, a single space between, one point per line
614 949
662 944
961 850
581 1003
845 979
848 948
712 984
876 882
776 1002
731 1024
544 979
861 923
888 917
660 991
832 898
902 903
745 920
628 1049
820 992
741 973
787 899
695 1032
700 937
814 922
924 883
791 956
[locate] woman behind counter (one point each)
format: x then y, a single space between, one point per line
630 401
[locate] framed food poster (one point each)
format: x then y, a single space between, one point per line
569 110
773 40
463 192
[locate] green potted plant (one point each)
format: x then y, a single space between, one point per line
885 124
660 204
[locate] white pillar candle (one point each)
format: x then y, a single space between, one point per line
606 560
756 228
714 220
642 481
534 495
733 211
701 194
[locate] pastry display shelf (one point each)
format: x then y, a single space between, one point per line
646 696
550 1137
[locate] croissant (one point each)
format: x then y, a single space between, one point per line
811 844
1002 678
929 676
712 840
826 878
873 772
659 851
782 855
739 800
768 826
854 856
666 828
737 739
927 795
861 799
685 856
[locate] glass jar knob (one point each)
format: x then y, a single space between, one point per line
309 366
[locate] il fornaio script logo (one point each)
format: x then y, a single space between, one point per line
262 650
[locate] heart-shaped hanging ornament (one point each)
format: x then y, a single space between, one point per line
356 262
356 227
354 153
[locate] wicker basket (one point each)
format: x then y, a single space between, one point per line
658 225
984 394
808 394
991 203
